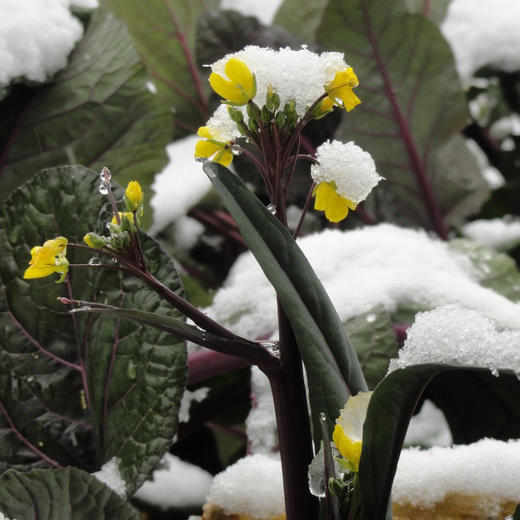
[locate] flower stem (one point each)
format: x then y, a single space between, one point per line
304 211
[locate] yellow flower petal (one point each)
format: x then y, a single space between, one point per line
224 157
327 199
48 259
241 86
134 196
350 450
127 214
204 131
341 88
206 149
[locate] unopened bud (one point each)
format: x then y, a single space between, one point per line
235 114
272 99
133 196
94 240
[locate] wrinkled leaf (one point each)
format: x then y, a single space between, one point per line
479 405
412 104
120 397
164 33
375 342
97 112
331 363
58 494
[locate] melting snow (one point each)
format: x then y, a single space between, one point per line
109 475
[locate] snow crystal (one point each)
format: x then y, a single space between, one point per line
180 185
498 233
187 398
488 467
483 33
453 335
299 75
176 484
264 10
36 36
361 268
505 126
110 476
261 421
252 486
347 165
429 427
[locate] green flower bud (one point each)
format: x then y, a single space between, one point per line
235 114
94 240
272 99
266 115
280 120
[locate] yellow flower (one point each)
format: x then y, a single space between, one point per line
48 259
348 433
340 88
336 207
127 214
241 85
212 147
133 196
323 108
94 241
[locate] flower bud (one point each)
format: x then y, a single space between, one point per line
94 240
253 111
272 99
235 114
280 120
266 115
133 196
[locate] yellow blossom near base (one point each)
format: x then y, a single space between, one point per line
48 259
340 88
212 147
134 196
126 214
335 206
348 432
241 85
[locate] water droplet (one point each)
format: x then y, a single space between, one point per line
495 372
271 208
115 260
84 308
105 175
40 444
108 225
94 261
30 379
102 188
272 346
371 318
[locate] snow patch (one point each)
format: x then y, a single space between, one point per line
498 233
175 484
187 398
429 427
36 37
264 10
109 475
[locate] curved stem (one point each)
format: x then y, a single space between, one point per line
304 211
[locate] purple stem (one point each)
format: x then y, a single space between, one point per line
203 364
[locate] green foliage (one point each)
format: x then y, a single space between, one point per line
75 389
96 112
480 405
435 11
333 371
57 494
164 33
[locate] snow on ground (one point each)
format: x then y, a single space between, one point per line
109 475
180 185
498 233
85 4
453 335
176 484
36 37
252 486
483 33
264 10
360 269
487 467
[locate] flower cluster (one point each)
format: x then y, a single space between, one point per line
51 257
268 97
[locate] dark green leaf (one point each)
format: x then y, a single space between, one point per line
478 405
516 516
133 405
164 33
331 363
97 112
59 494
375 342
412 104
